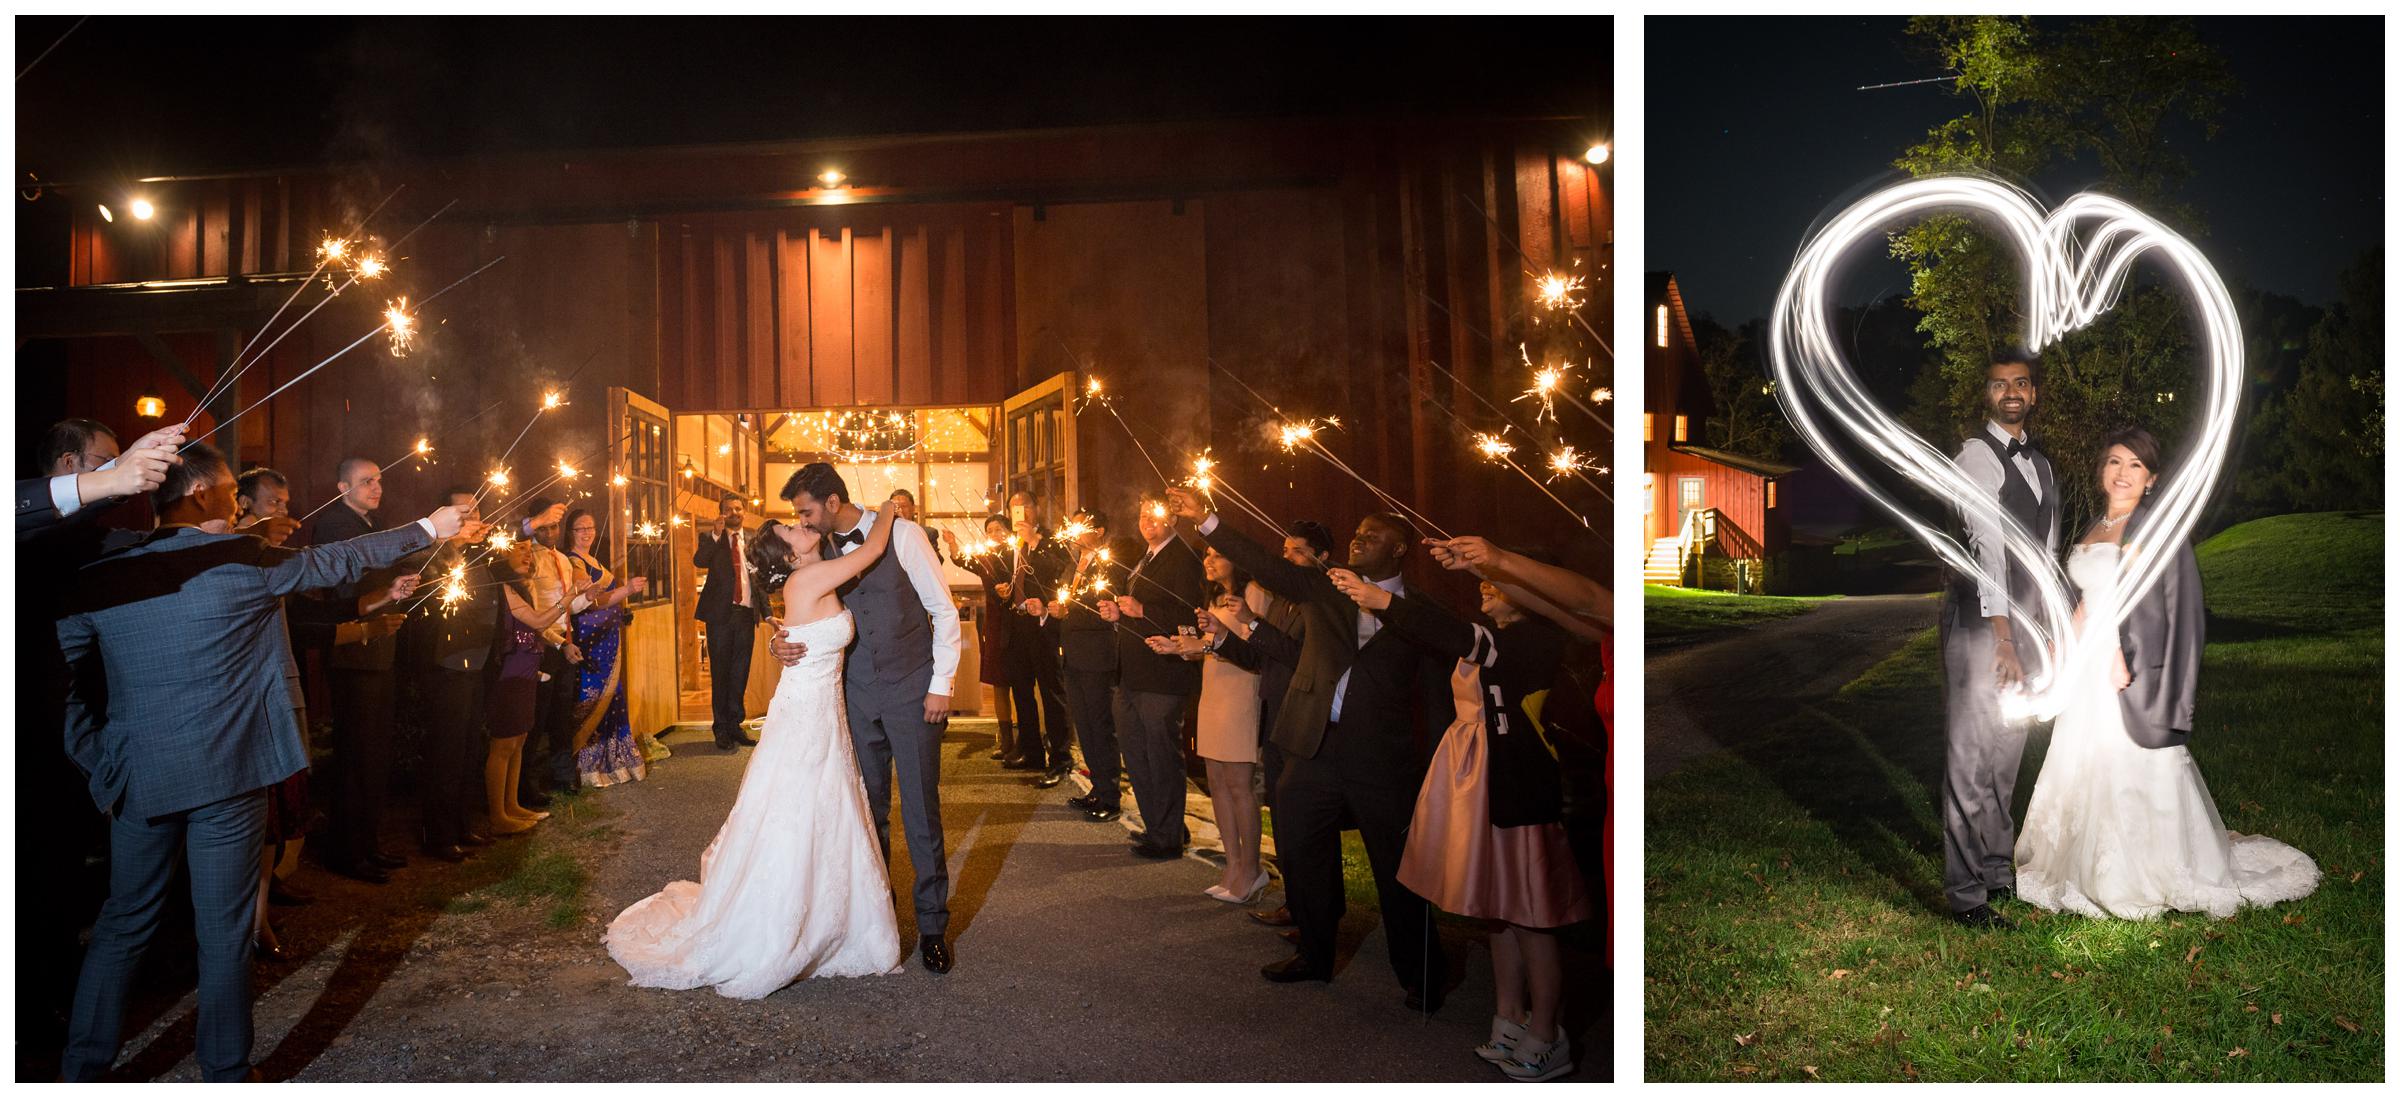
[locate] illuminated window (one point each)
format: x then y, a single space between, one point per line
1662 325
1683 428
1649 426
1770 495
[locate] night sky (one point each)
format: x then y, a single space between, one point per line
125 96
1756 130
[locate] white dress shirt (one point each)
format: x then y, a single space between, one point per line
924 574
1368 626
1980 465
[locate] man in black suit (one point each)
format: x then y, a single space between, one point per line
1087 649
449 650
359 678
1349 725
1162 591
731 604
1039 566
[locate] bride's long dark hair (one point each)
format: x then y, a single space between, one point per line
2144 446
770 557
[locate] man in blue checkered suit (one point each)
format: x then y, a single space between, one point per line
199 718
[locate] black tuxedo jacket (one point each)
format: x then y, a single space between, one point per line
1169 585
715 554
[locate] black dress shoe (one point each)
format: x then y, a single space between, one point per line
723 744
1293 970
474 838
1418 1002
448 852
1981 917
372 874
387 861
1156 853
1281 916
745 739
2000 895
1050 779
934 952
1102 813
999 755
1023 764
284 895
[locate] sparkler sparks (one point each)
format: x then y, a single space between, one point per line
402 326
371 266
1566 462
1559 291
1491 446
552 399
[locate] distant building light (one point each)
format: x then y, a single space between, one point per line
1649 426
1770 495
149 407
1662 325
1596 155
1683 428
143 210
831 177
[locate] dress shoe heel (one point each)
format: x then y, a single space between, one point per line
1294 970
934 953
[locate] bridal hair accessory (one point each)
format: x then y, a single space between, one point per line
2076 259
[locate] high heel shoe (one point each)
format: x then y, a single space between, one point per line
1258 888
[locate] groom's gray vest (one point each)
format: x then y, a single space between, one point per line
2035 515
895 637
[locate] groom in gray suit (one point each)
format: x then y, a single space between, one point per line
200 716
1979 651
896 681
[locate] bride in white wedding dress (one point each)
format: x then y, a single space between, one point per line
2117 829
794 884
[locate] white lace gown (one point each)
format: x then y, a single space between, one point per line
2118 830
794 884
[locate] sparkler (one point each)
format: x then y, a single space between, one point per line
1494 448
1296 433
2074 273
1559 291
1547 383
1566 462
403 327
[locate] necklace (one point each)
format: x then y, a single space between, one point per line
2113 523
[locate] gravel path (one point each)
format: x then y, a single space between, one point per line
1075 961
1703 697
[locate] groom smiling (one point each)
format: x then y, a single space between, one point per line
1979 652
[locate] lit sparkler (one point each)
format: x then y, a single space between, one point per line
372 266
1559 291
1566 462
402 326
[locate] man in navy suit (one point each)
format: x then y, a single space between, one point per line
731 604
199 717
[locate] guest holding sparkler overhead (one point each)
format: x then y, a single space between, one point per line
527 635
550 750
1088 660
456 645
1350 722
989 562
605 751
1153 691
1037 565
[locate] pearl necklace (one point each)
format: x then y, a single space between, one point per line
2113 523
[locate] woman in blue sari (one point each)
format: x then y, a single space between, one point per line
606 752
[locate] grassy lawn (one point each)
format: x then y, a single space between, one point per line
1792 889
1675 616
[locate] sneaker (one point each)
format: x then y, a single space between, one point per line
1506 1034
1532 1065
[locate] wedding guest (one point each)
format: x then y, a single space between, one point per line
361 683
1037 567
1486 839
1229 706
186 784
605 750
527 635
1352 747
990 565
1153 690
262 502
263 498
1087 648
731 606
83 478
1274 653
458 640
550 748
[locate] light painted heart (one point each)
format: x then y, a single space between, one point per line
2076 259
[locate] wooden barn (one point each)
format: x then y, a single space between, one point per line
1709 517
924 310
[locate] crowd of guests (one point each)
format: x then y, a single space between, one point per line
1350 700
501 641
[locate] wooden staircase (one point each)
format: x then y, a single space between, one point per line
1664 565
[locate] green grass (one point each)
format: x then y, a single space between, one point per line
1674 616
1792 885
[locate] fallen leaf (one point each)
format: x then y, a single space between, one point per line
1744 1069
2355 876
2237 1052
1811 1069
1840 973
2276 1018
2188 956
2253 1009
2345 1023
1908 1068
1745 1039
2166 1031
2294 919
2158 1054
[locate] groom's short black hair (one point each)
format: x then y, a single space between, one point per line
817 479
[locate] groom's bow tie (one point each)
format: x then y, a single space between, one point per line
851 538
2022 446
